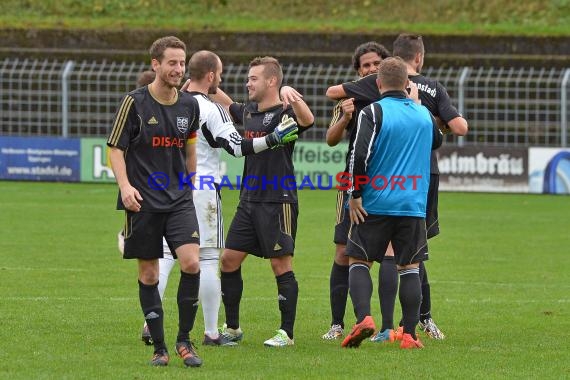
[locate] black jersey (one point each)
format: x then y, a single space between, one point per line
153 137
268 176
360 102
431 93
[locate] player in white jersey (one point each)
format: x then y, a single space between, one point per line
216 131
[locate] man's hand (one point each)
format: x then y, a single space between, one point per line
347 108
413 92
131 198
289 95
356 211
185 86
284 133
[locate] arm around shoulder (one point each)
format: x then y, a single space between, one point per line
222 98
336 92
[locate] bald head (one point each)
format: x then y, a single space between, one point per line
201 63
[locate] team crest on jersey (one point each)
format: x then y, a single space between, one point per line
182 124
267 119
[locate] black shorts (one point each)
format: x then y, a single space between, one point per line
369 240
342 219
144 231
264 229
432 218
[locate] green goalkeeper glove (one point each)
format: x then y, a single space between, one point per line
284 133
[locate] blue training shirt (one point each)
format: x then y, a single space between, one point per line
392 149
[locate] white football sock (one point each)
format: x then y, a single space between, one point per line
210 289
164 266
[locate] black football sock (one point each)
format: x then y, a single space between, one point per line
338 293
410 298
288 292
232 289
425 308
387 290
151 306
360 289
187 298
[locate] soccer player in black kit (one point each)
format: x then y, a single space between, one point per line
435 98
265 223
153 156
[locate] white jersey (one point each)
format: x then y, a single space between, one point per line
216 131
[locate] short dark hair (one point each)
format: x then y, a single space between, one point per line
407 46
145 78
393 73
201 63
271 67
159 46
368 47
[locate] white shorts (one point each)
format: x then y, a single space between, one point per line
208 206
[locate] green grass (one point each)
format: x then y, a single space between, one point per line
496 17
69 303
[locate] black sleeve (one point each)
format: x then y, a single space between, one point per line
364 89
126 124
236 111
337 113
196 120
233 141
437 135
367 130
446 111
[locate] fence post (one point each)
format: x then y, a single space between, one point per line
65 98
564 108
461 99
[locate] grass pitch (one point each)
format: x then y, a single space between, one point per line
69 303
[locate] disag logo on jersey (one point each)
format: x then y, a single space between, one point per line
267 119
182 124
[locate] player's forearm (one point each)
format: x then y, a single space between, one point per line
336 132
222 98
303 114
191 159
119 167
336 92
458 126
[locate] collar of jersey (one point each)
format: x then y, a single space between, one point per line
394 94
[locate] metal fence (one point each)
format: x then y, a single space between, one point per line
504 106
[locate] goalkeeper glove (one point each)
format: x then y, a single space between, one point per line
284 133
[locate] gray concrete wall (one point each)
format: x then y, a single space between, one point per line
336 48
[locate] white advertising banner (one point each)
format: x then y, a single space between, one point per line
483 169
